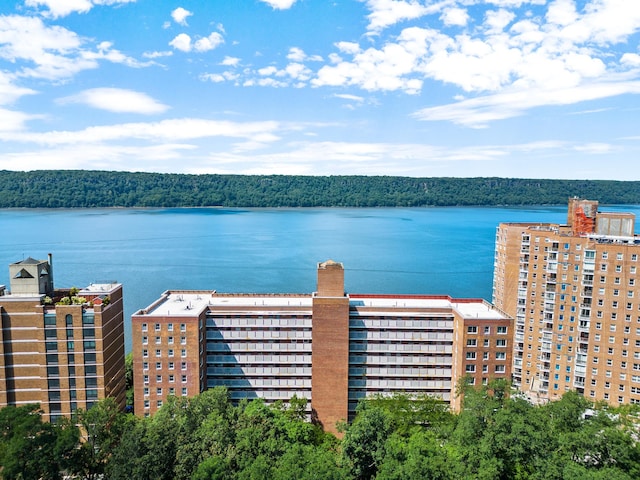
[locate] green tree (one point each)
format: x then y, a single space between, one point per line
364 441
103 426
31 448
128 378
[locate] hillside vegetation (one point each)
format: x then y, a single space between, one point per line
81 189
207 438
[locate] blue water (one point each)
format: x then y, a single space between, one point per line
415 250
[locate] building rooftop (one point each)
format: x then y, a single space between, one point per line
94 288
190 302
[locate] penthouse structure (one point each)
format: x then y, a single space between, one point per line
573 292
63 349
329 347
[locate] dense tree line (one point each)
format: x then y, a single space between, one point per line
76 189
495 436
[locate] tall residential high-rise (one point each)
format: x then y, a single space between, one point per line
573 292
63 349
329 347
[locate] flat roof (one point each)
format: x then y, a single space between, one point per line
486 311
181 303
185 303
104 287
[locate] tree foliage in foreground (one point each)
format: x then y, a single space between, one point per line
495 436
83 189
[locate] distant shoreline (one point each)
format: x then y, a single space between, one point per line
103 189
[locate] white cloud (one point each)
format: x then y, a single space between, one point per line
180 16
51 52
157 158
478 112
389 68
385 13
594 148
267 71
117 100
220 77
455 16
230 61
9 91
62 8
164 131
296 54
631 59
497 20
184 43
208 43
12 121
562 12
279 4
181 42
346 96
165 53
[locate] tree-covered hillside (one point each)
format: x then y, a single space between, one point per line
207 438
76 189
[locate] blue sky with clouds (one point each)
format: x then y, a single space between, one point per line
510 88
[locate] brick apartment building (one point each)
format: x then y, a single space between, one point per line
573 292
62 356
329 347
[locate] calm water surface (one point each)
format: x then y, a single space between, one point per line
418 250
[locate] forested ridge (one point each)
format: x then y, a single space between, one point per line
494 437
83 189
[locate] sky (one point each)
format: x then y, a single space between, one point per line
418 88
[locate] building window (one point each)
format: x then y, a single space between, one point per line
144 327
171 352
471 329
183 327
184 378
171 365
159 391
158 352
157 327
145 340
183 352
183 340
471 342
183 366
501 355
469 368
502 330
471 355
158 365
170 340
158 378
170 327
158 340
184 391
501 343
172 378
